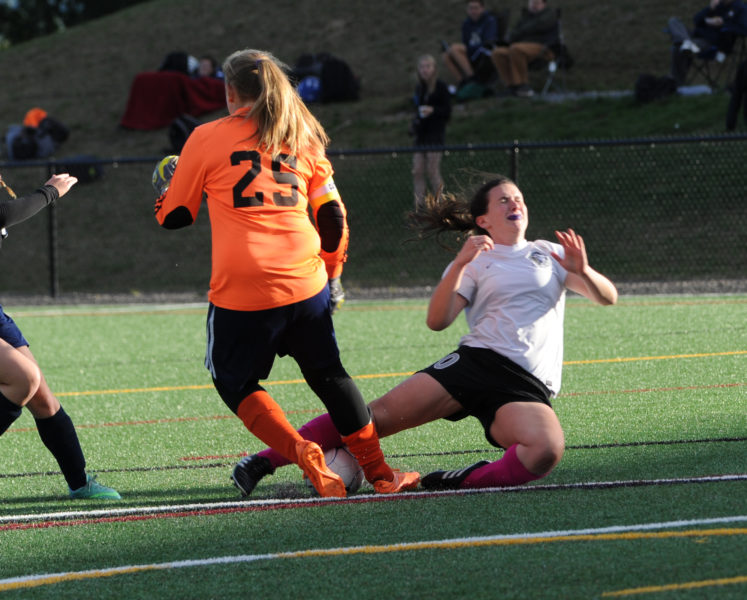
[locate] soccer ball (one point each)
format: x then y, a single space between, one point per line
163 173
342 462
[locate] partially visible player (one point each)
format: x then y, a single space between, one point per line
260 169
21 381
508 367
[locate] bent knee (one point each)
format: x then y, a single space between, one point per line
22 390
543 456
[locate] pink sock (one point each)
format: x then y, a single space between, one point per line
320 430
504 472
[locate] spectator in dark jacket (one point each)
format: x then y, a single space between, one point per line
535 31
433 109
715 27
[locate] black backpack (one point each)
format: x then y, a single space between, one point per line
338 81
179 131
650 87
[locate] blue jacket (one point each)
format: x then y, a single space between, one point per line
479 34
735 21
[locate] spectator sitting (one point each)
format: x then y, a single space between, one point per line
208 67
479 34
713 30
182 85
536 29
181 62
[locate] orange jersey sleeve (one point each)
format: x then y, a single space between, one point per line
265 250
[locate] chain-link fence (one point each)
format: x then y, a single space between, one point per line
659 210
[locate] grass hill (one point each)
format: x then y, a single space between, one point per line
83 75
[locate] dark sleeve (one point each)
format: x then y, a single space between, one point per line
331 225
176 219
701 16
441 101
534 24
19 209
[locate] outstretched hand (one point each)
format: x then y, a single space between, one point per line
62 182
575 259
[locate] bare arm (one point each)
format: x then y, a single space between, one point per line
446 303
582 279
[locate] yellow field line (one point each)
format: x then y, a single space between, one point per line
690 585
15 583
174 388
643 358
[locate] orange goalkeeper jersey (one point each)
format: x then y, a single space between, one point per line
265 250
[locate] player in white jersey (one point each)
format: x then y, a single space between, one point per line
508 367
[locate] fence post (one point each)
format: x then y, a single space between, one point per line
54 283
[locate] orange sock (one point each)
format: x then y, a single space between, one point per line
265 419
364 445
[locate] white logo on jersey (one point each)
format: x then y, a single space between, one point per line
446 361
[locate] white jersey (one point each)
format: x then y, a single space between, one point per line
515 306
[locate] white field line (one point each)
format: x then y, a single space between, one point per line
248 504
36 580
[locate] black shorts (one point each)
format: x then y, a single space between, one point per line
242 345
9 331
482 381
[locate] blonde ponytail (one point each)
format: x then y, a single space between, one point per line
282 119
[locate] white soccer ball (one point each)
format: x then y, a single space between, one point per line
343 463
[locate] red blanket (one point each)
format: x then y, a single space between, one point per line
158 97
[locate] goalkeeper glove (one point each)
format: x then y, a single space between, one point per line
163 173
336 294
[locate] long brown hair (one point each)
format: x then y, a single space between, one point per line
281 116
446 212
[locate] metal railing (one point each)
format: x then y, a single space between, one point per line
654 209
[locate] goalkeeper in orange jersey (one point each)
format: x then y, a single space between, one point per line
260 169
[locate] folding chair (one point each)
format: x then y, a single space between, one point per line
557 61
720 74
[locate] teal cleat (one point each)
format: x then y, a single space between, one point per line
93 490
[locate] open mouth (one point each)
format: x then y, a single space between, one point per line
514 217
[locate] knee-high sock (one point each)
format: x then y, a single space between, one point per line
9 412
320 430
364 445
59 436
264 418
504 472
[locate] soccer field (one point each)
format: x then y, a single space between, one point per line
648 501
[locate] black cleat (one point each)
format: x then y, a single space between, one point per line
248 471
449 480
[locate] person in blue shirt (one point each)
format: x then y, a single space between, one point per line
479 35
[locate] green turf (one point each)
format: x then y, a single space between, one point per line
654 389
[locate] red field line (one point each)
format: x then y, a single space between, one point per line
305 503
193 513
